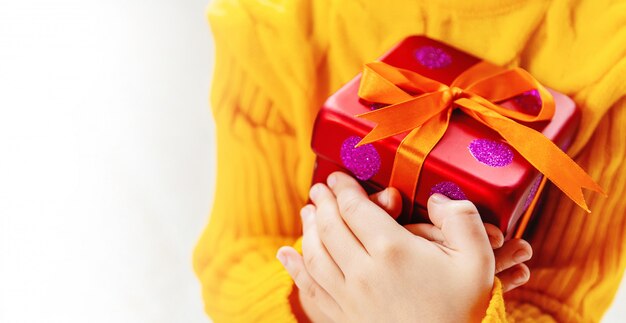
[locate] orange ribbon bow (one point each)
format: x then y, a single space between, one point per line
427 115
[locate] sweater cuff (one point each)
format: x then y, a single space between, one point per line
248 287
495 311
278 308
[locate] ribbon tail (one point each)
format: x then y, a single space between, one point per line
410 157
547 158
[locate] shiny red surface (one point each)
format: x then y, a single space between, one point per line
499 193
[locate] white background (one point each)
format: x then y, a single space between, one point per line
106 165
106 160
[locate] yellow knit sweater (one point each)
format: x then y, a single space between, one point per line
277 61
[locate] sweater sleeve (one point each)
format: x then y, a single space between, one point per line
579 258
263 170
255 208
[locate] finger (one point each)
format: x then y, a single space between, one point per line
333 232
293 263
459 222
432 233
514 277
318 262
369 222
496 238
513 252
426 231
389 200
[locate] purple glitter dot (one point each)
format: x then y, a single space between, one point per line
529 102
432 57
376 106
448 189
533 192
363 161
491 153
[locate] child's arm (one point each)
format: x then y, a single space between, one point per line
254 212
264 165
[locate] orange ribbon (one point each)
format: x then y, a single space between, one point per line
474 91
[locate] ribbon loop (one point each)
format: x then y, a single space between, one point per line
423 107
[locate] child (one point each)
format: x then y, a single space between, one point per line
276 62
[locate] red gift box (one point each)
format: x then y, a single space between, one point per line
471 161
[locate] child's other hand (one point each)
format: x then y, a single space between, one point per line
360 265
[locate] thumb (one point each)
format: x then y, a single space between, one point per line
459 222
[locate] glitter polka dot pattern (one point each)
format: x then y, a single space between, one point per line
491 153
432 57
529 102
363 162
533 192
448 189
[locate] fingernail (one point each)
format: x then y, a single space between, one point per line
332 179
520 277
439 198
281 257
305 213
521 256
313 191
496 240
384 198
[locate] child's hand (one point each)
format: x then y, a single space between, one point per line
360 265
510 255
